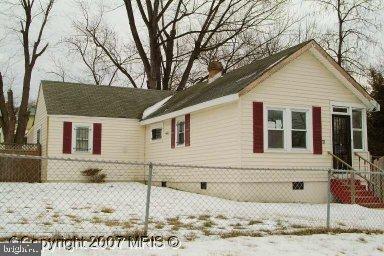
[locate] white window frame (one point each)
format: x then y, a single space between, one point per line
358 129
156 126
178 120
287 128
308 126
90 137
350 107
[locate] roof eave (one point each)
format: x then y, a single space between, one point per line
211 103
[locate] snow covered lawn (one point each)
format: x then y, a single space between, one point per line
69 209
315 245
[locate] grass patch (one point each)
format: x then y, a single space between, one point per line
208 224
237 226
298 226
96 220
204 217
254 222
112 223
56 215
9 210
221 216
190 236
23 221
159 225
107 210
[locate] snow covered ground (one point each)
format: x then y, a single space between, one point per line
69 209
314 245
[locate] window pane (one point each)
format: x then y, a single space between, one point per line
356 119
340 109
275 139
156 134
275 119
82 134
180 133
299 139
357 139
299 120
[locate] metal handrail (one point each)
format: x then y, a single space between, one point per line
370 163
353 188
354 171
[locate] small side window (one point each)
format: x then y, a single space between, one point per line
156 134
164 184
298 185
203 185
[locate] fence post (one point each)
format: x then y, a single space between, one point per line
329 198
148 201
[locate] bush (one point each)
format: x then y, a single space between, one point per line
94 175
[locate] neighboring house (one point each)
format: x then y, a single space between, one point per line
28 130
285 111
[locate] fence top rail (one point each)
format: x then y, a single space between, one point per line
154 164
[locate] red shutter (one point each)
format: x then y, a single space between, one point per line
96 139
317 134
258 129
67 138
173 124
187 130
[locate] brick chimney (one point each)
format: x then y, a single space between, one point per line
215 70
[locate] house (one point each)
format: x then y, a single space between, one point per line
286 111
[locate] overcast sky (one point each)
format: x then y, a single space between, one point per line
64 11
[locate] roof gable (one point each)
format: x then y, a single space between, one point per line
230 83
244 79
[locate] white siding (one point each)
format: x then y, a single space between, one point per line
122 140
302 84
41 123
214 139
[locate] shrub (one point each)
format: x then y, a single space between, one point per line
94 175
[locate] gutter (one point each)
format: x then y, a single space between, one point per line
211 103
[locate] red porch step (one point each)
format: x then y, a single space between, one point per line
341 190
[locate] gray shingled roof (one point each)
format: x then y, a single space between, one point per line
107 101
230 83
98 101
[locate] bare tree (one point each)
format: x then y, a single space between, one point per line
32 50
355 23
177 33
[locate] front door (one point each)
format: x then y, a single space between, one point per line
341 137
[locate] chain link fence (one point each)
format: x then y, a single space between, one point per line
92 197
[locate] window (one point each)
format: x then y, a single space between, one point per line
299 129
288 129
203 185
38 136
156 134
180 134
82 139
357 128
275 129
299 185
164 184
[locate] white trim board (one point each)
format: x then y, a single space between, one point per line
194 108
